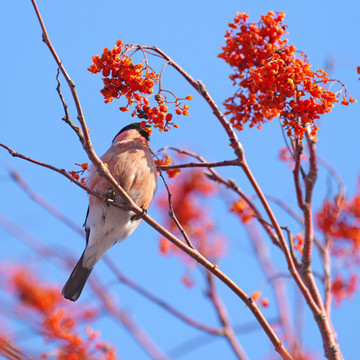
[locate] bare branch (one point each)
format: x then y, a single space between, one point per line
66 118
306 260
279 287
200 165
299 148
224 318
171 210
10 351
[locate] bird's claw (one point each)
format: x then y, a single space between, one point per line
110 196
137 216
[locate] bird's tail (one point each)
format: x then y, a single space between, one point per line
77 280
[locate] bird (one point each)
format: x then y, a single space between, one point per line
130 161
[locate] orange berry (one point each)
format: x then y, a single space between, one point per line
178 111
264 302
163 108
173 172
162 116
188 97
94 69
169 117
164 246
256 295
185 113
106 72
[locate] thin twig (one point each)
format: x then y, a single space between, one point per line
333 173
200 165
66 118
171 209
10 351
85 136
291 246
299 148
286 208
279 287
327 275
229 332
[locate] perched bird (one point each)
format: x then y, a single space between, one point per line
130 162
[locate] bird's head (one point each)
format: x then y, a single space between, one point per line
131 131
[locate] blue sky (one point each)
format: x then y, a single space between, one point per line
191 32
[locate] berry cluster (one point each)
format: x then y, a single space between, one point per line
256 296
242 210
167 160
272 80
136 82
76 174
339 221
59 328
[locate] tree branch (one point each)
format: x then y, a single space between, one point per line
224 319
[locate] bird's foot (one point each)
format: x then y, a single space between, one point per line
137 216
110 196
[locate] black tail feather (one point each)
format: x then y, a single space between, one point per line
76 282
